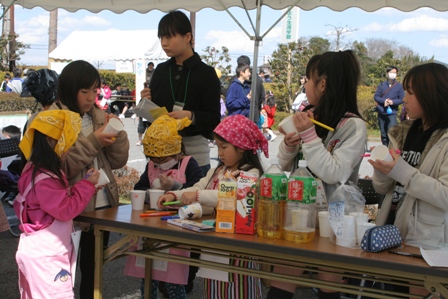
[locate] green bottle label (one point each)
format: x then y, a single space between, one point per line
273 186
302 189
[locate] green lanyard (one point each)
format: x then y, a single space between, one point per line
186 86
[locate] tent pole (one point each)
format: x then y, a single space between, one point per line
257 39
255 78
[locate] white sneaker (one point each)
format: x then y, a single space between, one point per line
134 116
138 143
121 116
273 137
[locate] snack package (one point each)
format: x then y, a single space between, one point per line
245 203
225 209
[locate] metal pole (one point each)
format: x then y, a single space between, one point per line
254 90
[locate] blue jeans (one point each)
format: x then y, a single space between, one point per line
385 122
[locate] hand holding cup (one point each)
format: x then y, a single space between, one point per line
92 176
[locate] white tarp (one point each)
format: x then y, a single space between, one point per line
120 6
110 45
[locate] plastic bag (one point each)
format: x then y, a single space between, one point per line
346 199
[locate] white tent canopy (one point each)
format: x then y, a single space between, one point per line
120 6
103 45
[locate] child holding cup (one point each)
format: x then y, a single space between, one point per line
94 148
331 92
415 182
238 139
46 206
168 169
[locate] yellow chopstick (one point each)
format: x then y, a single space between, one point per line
322 125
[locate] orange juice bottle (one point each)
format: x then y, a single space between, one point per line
271 204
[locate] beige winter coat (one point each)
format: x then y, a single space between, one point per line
81 155
423 211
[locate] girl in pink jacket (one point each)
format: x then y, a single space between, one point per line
47 205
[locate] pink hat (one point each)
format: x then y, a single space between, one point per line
243 133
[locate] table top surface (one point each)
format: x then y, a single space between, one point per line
123 217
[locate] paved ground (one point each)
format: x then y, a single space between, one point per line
116 285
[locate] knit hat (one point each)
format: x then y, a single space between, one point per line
42 85
162 138
61 125
242 133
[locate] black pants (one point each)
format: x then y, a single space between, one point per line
86 262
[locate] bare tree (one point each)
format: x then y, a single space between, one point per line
339 32
377 47
403 51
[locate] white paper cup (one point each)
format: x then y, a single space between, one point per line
349 230
287 125
193 211
103 179
361 229
346 242
299 218
360 217
138 199
381 152
114 126
154 195
324 225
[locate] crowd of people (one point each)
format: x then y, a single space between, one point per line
64 147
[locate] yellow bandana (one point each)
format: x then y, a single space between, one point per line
162 138
61 125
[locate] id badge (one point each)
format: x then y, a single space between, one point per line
178 106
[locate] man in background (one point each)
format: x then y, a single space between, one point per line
149 72
16 83
388 96
260 92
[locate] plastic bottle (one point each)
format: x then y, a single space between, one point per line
300 214
389 110
271 204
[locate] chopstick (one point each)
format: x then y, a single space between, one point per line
322 125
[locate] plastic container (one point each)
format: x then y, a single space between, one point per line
300 213
271 204
321 199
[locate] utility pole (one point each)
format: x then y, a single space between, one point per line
8 32
193 26
53 31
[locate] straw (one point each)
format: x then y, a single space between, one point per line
322 125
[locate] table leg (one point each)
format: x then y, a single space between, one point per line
99 254
148 277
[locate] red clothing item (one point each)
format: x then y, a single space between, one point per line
270 111
49 200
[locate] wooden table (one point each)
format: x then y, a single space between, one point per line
317 255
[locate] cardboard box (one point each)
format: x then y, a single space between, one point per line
245 203
225 209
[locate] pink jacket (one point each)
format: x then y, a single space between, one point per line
49 200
